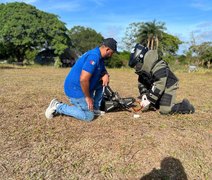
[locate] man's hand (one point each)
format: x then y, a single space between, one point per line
144 103
105 80
89 101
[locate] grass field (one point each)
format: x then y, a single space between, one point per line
114 146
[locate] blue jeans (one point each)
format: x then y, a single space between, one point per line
79 108
97 96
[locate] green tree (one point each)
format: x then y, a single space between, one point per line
114 62
131 36
124 57
203 53
84 38
149 33
24 28
152 35
3 52
169 44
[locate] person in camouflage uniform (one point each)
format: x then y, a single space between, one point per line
157 84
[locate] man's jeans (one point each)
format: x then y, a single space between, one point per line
79 108
98 95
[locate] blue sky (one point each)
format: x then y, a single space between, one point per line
111 18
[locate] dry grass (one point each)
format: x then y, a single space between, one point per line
114 146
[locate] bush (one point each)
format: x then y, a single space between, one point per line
114 62
30 57
57 62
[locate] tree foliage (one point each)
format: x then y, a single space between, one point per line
124 57
84 38
131 36
169 43
203 52
152 35
114 62
25 31
24 28
149 33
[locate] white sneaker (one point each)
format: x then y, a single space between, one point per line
51 109
98 113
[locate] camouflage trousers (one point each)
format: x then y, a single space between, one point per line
168 99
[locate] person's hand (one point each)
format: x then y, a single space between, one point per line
105 80
89 102
144 103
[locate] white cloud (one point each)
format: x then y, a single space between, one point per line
72 6
203 31
205 25
202 5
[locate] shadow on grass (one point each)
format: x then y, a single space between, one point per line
170 169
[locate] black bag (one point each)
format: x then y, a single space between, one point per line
113 102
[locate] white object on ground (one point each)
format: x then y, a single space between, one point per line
136 116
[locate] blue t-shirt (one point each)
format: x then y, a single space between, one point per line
91 62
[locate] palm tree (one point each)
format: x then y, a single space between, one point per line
150 33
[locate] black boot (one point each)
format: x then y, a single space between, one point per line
185 107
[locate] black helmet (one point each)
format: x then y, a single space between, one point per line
137 55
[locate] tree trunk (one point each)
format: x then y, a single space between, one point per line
152 43
156 40
148 43
208 64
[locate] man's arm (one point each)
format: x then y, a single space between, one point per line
160 75
141 87
105 77
105 80
85 84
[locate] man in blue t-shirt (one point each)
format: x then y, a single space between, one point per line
84 84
